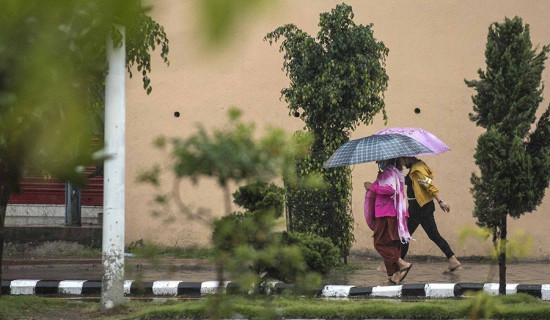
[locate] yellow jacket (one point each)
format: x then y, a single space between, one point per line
421 176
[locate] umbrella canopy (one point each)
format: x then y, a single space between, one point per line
374 148
427 139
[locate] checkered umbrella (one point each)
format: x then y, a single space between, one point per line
374 148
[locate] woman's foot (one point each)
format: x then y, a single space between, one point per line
454 264
395 278
403 264
405 267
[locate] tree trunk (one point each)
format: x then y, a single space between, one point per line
226 199
4 196
502 257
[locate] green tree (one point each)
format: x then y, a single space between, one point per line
337 81
514 162
52 70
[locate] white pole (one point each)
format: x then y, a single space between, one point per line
112 284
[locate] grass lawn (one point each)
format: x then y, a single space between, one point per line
518 306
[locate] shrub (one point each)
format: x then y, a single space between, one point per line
253 252
320 253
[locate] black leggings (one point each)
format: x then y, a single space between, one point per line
424 216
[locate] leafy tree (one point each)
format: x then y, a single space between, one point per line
337 81
514 163
52 70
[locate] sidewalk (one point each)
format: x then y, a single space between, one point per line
198 270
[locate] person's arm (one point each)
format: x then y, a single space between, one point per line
427 183
378 189
442 204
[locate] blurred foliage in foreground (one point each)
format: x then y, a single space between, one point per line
247 244
52 77
52 84
519 245
221 17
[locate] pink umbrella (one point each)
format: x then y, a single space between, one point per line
424 137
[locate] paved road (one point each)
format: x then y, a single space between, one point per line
195 270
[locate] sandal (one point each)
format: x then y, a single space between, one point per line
406 270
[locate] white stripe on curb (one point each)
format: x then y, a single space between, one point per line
71 287
386 291
211 287
166 288
492 288
270 286
22 286
440 290
128 286
545 292
336 291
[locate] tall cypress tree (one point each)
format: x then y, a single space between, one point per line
514 162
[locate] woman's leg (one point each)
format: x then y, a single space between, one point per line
429 225
390 253
412 223
387 248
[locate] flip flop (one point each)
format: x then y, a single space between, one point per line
406 270
389 282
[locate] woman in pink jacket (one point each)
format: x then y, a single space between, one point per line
389 211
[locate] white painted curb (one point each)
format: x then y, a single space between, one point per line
336 291
386 291
440 290
211 287
128 286
492 288
18 287
165 288
197 289
71 287
545 292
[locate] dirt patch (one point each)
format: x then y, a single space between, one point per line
49 249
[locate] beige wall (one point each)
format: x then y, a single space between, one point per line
434 45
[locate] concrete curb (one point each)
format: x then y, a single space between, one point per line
87 288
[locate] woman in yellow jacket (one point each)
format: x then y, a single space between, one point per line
420 194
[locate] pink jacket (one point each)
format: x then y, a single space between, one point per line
384 203
386 198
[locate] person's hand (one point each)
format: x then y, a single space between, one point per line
444 206
367 185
